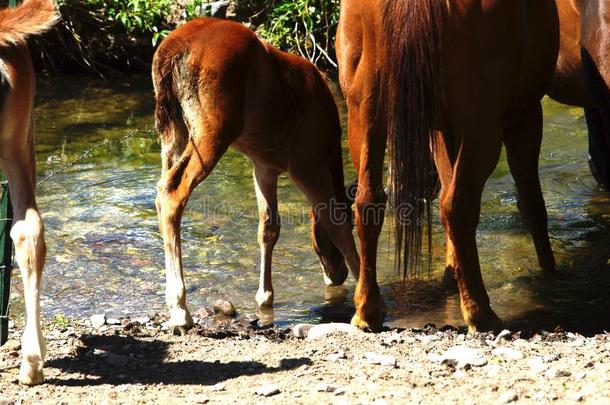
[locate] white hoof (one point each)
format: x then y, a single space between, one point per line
31 372
180 320
264 298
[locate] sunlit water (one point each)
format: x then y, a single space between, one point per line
105 252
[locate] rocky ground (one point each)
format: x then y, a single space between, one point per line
234 360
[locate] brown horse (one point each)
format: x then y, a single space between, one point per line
217 85
18 163
582 77
462 76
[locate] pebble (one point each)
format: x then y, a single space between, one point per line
536 364
117 360
218 387
113 321
301 330
11 346
507 353
98 320
334 357
381 359
508 397
323 387
267 390
324 329
142 320
225 308
460 357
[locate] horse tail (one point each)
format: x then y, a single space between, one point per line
32 17
411 90
169 116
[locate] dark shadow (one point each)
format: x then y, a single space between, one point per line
120 360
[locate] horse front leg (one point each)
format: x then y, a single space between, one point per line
265 182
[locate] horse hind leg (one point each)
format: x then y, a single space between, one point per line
265 182
177 182
523 139
27 234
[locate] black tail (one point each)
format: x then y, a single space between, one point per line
411 95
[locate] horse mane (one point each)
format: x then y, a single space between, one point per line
32 17
411 87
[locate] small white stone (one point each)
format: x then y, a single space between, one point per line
267 390
113 321
381 359
142 320
508 397
507 353
301 330
98 320
325 329
462 356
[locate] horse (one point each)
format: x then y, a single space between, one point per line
217 85
444 84
582 75
17 160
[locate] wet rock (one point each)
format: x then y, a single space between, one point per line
325 329
267 390
507 353
98 320
226 308
301 330
381 359
117 360
460 357
508 397
11 346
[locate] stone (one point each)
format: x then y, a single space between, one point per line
117 360
323 387
11 346
381 359
507 353
98 320
218 387
301 330
226 308
334 357
267 390
537 365
508 397
142 320
113 321
461 357
325 329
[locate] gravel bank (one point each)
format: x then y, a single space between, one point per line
140 361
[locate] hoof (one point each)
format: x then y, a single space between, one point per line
31 375
180 321
264 299
373 324
484 322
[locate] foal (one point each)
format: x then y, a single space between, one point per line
18 163
217 85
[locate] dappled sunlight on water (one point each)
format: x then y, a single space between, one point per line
105 251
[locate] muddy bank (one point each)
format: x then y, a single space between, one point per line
139 361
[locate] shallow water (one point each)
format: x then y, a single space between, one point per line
105 252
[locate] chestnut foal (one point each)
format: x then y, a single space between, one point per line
18 163
217 85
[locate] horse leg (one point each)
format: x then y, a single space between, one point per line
460 209
599 150
175 187
265 181
317 185
523 139
30 250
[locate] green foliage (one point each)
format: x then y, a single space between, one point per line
307 27
61 322
138 17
